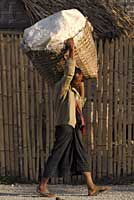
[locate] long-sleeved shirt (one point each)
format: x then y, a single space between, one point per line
65 97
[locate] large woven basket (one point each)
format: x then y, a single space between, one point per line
51 65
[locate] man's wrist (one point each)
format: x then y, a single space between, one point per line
71 48
71 53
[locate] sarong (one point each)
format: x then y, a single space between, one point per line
68 156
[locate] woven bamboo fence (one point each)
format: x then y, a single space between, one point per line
27 113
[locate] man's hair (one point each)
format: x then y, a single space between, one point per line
78 71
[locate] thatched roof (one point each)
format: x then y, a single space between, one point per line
13 15
108 19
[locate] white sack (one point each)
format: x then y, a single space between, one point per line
51 32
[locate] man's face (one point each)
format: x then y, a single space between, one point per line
77 80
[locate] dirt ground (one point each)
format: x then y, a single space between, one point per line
66 192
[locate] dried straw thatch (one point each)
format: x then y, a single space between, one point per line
107 17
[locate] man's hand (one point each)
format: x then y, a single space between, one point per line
70 45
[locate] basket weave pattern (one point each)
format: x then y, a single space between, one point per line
51 66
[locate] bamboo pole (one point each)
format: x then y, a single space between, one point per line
29 144
105 91
116 109
95 125
51 118
132 100
15 48
18 102
46 94
15 130
95 130
5 102
32 115
40 127
10 103
37 123
110 113
125 69
129 170
99 107
23 112
2 145
120 107
51 123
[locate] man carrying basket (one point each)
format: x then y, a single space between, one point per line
68 156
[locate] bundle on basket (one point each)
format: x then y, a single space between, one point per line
44 43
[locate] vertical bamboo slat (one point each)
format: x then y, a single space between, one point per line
46 119
129 170
105 90
10 103
23 113
2 146
120 120
5 102
15 130
37 123
110 114
29 144
18 102
125 67
132 100
99 107
95 131
95 125
116 110
32 115
51 123
40 127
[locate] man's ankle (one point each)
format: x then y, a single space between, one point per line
93 187
42 185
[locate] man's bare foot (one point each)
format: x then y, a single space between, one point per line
98 189
42 188
49 195
44 192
